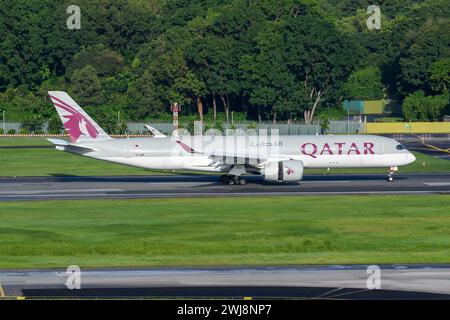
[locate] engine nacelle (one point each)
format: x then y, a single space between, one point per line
287 170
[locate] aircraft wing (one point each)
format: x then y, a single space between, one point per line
248 159
224 157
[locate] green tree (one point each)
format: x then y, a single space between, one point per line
215 60
106 116
299 64
265 58
85 85
35 42
321 58
273 86
190 86
30 110
365 84
432 44
418 107
440 75
55 125
106 61
145 98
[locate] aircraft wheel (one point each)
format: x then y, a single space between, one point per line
242 181
231 182
225 178
390 179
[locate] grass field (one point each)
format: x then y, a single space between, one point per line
23 141
226 231
49 162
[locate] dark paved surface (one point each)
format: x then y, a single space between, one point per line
433 145
323 282
129 187
238 292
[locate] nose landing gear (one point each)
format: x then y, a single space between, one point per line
232 180
392 170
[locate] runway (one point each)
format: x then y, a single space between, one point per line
317 282
173 186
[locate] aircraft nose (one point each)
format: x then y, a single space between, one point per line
410 157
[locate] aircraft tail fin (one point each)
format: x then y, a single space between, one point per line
78 124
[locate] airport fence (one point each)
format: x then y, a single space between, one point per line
11 126
335 127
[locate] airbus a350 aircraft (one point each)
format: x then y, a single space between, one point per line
276 158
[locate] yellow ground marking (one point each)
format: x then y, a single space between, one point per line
434 147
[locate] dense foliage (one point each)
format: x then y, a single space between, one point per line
266 59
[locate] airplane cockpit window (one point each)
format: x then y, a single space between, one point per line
400 147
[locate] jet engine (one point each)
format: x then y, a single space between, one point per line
287 170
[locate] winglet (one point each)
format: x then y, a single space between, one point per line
155 132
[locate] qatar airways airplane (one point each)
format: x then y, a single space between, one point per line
276 158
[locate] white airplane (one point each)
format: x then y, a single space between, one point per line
276 158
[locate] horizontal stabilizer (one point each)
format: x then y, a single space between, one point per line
64 145
59 142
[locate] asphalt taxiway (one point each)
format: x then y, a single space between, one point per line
435 148
173 186
318 282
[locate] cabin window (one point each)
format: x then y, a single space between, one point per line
400 147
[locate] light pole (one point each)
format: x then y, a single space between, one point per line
4 128
348 120
175 108
118 122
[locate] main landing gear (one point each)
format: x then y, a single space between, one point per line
232 180
390 176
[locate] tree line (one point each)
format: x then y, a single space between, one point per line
260 59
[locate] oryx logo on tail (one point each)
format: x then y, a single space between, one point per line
76 122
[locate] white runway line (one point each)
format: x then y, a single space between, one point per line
331 181
437 184
177 184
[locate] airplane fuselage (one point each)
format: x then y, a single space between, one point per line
350 151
